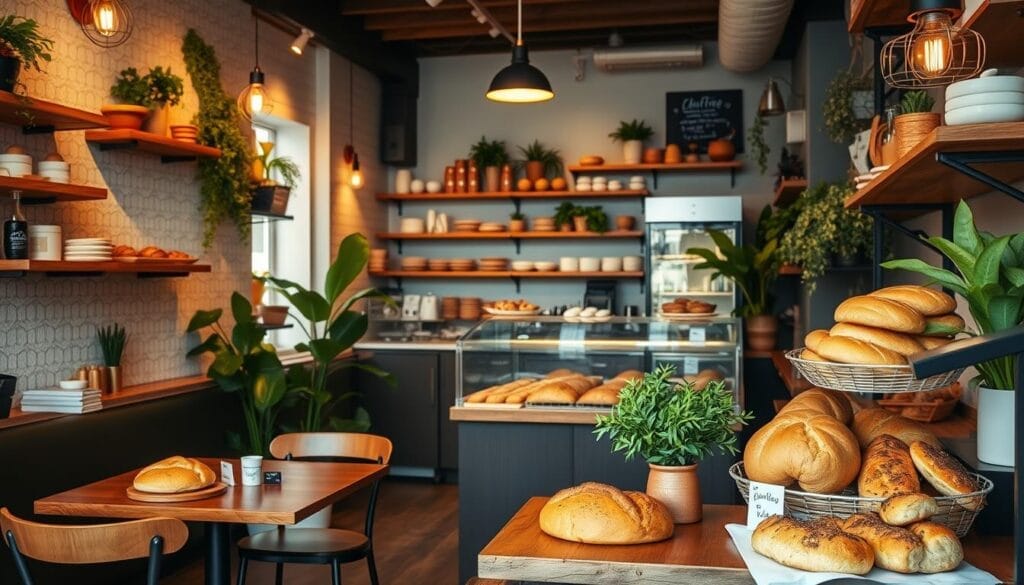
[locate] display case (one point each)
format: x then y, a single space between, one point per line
502 350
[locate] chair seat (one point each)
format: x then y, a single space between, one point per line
314 544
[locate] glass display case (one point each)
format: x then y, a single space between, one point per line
501 350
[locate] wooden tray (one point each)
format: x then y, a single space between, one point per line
208 492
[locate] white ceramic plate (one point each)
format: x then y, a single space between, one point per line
981 99
985 114
88 241
504 313
87 258
984 85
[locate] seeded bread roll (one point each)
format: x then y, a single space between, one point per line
815 450
879 312
906 509
812 339
943 551
870 423
830 402
927 301
819 545
900 343
896 549
848 350
887 469
946 474
595 513
810 356
950 321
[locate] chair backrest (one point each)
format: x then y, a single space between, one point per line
97 543
355 445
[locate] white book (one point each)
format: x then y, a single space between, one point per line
61 393
61 409
61 401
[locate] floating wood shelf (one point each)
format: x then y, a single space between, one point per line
865 14
482 274
696 167
38 191
512 236
512 195
169 149
790 270
918 178
65 268
789 191
999 22
36 116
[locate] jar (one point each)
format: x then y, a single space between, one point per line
472 178
506 178
44 242
449 179
460 176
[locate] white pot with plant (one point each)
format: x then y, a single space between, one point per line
653 420
990 276
632 135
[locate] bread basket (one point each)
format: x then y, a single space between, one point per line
867 378
805 505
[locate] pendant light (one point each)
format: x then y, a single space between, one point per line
253 99
355 178
771 103
107 23
936 52
520 82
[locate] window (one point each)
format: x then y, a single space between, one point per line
263 240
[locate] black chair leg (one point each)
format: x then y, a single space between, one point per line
279 576
243 564
335 572
372 565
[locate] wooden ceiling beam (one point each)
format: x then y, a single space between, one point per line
368 7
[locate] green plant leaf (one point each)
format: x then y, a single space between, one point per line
268 389
367 293
353 253
226 363
986 269
241 308
963 259
312 305
370 369
944 277
1015 275
932 329
203 319
285 285
347 328
247 336
325 350
965 234
212 343
1004 312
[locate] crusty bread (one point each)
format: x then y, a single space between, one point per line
174 475
896 549
933 342
879 312
901 343
830 402
628 375
606 394
943 551
945 474
809 355
848 350
906 509
870 423
950 321
556 393
704 377
927 301
812 339
819 545
562 372
887 469
596 513
501 389
815 450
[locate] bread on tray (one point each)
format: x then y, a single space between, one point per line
606 394
596 513
830 402
900 343
880 312
819 545
942 549
849 350
174 475
945 474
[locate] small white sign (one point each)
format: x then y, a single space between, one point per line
227 473
765 500
691 365
697 334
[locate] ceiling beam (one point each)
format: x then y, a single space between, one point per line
367 7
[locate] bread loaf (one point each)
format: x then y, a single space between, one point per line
896 549
830 402
945 474
927 301
942 549
815 450
554 393
950 321
704 377
812 339
901 343
932 342
174 475
819 545
906 509
502 389
848 350
879 312
562 372
606 394
870 423
628 375
595 513
887 469
809 355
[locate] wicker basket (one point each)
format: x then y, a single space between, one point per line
865 378
928 411
805 505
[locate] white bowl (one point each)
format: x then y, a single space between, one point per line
73 384
583 187
588 312
600 187
522 266
433 186
569 264
57 165
15 169
611 264
994 83
412 225
572 312
637 179
584 179
985 114
982 99
56 176
16 158
590 264
417 186
632 263
615 185
545 266
600 180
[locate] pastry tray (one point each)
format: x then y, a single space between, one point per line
867 378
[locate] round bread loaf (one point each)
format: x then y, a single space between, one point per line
887 469
848 350
896 549
812 339
927 301
174 475
870 423
830 402
949 321
901 343
819 545
946 474
815 450
596 513
943 551
880 312
906 509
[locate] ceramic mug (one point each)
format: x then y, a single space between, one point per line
252 470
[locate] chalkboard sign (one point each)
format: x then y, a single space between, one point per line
700 116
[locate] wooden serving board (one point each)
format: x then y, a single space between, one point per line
207 492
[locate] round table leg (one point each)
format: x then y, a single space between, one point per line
218 554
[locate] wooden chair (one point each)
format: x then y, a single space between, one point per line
322 546
93 544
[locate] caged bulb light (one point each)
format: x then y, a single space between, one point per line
107 23
936 52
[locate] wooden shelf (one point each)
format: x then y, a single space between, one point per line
918 178
660 167
36 116
512 236
169 149
789 191
66 268
490 274
38 191
999 22
877 13
512 195
790 270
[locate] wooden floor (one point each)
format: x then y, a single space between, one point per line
416 540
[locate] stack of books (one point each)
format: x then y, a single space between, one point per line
63 401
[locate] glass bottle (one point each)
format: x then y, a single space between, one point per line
16 232
889 151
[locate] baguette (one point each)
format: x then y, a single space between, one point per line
518 396
819 545
830 402
559 393
812 339
809 355
901 343
870 423
606 394
945 474
896 549
950 321
848 350
927 301
481 395
601 514
880 312
942 549
933 342
888 469
906 509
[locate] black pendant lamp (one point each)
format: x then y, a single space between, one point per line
771 103
520 82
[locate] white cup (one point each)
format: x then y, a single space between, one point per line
252 470
632 263
569 264
590 264
403 180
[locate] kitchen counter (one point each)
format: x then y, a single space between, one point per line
427 345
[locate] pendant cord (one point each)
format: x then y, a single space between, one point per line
257 41
519 25
351 128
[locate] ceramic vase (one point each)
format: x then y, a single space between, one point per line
678 488
492 182
761 331
995 425
534 170
632 151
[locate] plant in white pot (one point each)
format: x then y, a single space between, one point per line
632 135
990 276
673 427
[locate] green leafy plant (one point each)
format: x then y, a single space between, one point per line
225 190
565 212
672 424
488 153
517 215
280 170
165 88
131 88
112 342
334 326
758 147
841 122
20 38
990 275
916 102
597 219
535 151
634 130
247 367
753 270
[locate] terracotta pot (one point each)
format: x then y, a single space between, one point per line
625 222
721 150
632 151
158 121
492 181
579 223
565 227
912 129
124 117
761 331
116 375
653 155
256 289
678 488
673 154
534 170
517 225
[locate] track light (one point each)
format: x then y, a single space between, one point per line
494 32
479 16
299 44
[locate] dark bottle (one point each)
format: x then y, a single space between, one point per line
16 233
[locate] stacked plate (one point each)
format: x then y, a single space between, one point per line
449 308
469 308
861 181
491 226
461 264
378 260
88 250
414 263
493 264
522 265
543 224
466 225
545 266
437 264
986 99
184 132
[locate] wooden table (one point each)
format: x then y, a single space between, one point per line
697 553
306 488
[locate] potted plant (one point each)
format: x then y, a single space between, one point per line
21 45
841 120
564 214
752 269
759 149
489 155
517 222
915 120
590 219
632 135
280 176
990 277
112 341
673 427
131 91
165 91
539 161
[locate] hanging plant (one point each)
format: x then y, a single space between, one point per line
841 122
758 147
225 180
